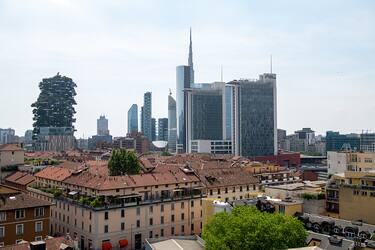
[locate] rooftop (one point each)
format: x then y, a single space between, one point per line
51 244
183 243
10 147
21 200
21 178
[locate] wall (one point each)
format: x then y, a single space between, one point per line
9 158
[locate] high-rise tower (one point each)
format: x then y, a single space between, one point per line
133 119
172 123
190 61
147 112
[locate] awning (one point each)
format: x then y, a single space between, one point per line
123 243
73 193
106 246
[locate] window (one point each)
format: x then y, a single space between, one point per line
247 188
218 191
138 223
38 238
20 213
151 209
161 208
3 216
106 215
151 221
90 228
39 212
2 232
19 229
150 234
192 227
122 226
182 216
162 232
172 206
122 213
192 215
172 230
90 215
162 220
234 189
182 205
38 226
138 210
201 213
254 187
106 229
210 191
226 190
182 229
192 203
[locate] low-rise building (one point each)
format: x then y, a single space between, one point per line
22 217
103 211
11 155
49 243
19 180
339 162
351 196
193 242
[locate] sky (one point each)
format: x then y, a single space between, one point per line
115 50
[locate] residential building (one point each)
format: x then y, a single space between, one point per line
291 160
11 155
133 119
121 210
337 142
254 121
339 162
135 141
49 243
54 139
99 141
22 217
153 129
306 134
172 124
351 196
296 190
367 142
211 146
193 242
7 136
147 115
163 129
20 180
102 126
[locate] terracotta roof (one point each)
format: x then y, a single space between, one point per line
51 244
54 173
21 200
226 177
22 178
10 147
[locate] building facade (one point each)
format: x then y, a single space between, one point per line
11 155
336 141
367 141
172 124
54 139
7 136
153 129
339 162
163 129
211 146
22 217
254 120
146 115
133 119
102 126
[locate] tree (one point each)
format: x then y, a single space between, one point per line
247 228
123 162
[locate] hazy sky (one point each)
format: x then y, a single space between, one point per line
323 54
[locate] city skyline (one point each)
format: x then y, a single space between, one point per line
323 85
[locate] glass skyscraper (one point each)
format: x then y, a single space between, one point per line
163 129
146 115
172 124
133 119
254 120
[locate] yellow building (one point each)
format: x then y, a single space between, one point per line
288 207
351 196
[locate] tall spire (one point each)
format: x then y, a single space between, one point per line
190 62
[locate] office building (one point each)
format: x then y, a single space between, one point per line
211 146
146 115
141 118
367 142
7 136
254 121
184 80
153 129
163 129
22 217
172 124
102 126
336 141
133 119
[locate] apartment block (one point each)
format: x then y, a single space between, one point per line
339 162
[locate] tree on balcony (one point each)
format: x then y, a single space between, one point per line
123 162
247 228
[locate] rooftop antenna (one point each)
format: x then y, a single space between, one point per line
170 92
271 63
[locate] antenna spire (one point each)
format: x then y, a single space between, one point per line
271 63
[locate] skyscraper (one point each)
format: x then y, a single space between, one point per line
172 123
254 121
147 115
153 129
142 121
102 126
133 119
163 129
184 80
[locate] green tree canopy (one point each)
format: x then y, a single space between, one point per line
123 162
248 228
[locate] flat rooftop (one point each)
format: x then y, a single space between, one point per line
181 243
